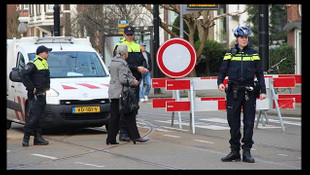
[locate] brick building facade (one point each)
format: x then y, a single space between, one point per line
293 29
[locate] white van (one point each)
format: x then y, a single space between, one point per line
78 95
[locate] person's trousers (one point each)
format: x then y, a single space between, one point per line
37 105
132 125
233 117
114 122
146 78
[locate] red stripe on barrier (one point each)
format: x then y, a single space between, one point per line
222 105
267 76
282 82
159 82
178 106
297 77
161 102
221 101
208 78
178 85
68 87
285 103
296 96
89 85
212 98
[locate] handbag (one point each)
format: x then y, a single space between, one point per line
128 101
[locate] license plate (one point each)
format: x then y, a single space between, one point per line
85 109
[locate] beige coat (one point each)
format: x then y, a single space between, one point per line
120 75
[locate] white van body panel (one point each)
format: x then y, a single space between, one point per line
82 90
79 89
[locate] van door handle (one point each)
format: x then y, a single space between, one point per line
12 86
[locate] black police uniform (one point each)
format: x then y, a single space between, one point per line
241 66
36 74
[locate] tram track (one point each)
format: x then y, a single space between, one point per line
151 129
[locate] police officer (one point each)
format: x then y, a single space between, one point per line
241 63
137 65
36 78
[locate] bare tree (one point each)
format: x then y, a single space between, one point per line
202 25
102 19
12 25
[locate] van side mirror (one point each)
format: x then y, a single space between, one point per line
15 75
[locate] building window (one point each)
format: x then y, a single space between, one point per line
23 7
26 6
49 7
31 11
38 9
221 28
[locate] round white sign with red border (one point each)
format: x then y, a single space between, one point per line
176 58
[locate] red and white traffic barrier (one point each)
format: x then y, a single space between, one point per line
193 104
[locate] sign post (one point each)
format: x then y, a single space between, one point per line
121 25
176 58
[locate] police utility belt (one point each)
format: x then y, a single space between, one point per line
38 95
234 86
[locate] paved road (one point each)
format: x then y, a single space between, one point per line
168 148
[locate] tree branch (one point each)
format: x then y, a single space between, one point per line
231 14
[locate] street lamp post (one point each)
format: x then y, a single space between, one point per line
156 42
56 20
264 35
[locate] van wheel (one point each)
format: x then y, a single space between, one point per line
8 124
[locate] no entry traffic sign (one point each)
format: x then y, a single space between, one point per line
176 58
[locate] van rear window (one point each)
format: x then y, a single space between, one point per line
74 64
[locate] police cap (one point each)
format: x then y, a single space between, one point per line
129 30
42 48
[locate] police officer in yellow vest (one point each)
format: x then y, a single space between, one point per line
241 63
137 65
36 78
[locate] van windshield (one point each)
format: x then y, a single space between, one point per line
74 64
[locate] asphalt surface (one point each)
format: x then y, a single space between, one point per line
169 147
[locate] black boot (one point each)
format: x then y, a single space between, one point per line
246 156
38 140
234 155
141 139
123 136
26 139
